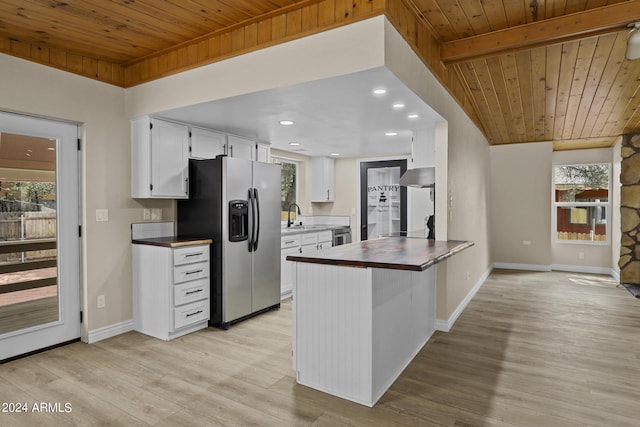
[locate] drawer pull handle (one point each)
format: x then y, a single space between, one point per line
190 255
193 272
193 292
289 241
193 314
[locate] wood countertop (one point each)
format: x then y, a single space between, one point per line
172 241
397 253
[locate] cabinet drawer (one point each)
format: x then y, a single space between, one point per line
190 314
190 291
184 273
190 254
290 241
309 238
325 236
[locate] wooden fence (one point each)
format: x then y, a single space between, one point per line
27 226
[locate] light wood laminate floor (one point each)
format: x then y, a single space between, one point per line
531 349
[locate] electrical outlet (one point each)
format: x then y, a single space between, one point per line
580 255
468 276
526 242
101 301
146 214
156 213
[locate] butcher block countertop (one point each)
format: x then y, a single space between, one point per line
172 241
396 253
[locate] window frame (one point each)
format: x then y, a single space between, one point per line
280 160
606 205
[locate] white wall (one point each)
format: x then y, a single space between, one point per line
327 54
466 193
30 88
521 205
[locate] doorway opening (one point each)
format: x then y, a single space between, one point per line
383 202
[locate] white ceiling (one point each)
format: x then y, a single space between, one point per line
335 115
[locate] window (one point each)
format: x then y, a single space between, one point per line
288 185
581 203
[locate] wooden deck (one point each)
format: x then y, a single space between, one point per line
531 349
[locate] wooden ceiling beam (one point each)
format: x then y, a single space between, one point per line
561 29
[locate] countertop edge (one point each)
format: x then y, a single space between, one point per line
172 242
384 265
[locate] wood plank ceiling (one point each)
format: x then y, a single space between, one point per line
524 70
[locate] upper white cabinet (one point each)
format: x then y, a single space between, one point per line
245 148
207 144
161 149
262 152
241 148
159 159
322 181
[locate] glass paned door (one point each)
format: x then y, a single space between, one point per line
39 245
383 204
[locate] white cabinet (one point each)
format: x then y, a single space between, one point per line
159 159
290 245
325 240
207 144
322 181
263 151
241 148
296 244
170 289
248 149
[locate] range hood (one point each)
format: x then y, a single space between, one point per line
419 178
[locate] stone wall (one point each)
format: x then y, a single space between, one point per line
630 210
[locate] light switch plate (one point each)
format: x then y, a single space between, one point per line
102 215
146 214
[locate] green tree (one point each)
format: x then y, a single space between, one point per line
288 185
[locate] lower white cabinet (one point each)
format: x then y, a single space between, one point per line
304 243
170 289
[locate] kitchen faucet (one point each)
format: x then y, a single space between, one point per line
289 222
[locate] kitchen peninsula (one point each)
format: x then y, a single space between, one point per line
361 312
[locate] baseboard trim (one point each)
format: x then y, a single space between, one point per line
585 269
526 267
446 325
559 267
109 331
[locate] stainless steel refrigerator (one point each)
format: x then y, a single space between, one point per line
236 203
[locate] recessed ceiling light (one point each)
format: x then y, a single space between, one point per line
51 149
398 105
27 154
286 122
379 91
335 154
413 116
391 133
294 144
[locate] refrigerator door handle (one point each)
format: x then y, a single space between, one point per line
253 220
257 201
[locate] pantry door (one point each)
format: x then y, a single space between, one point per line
39 234
383 202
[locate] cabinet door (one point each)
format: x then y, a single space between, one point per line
263 151
207 144
169 160
322 184
241 148
287 270
325 240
